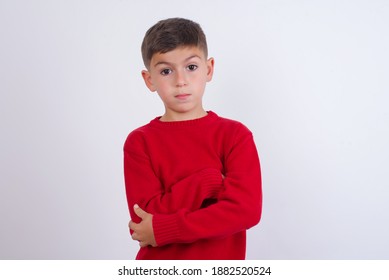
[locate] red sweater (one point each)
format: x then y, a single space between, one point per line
173 170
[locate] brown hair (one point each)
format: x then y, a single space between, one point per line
166 35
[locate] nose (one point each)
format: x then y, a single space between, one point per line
181 79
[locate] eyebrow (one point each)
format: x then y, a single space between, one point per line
168 63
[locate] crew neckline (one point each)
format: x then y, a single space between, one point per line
206 119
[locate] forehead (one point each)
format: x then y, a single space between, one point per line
177 56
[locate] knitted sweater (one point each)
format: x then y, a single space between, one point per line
201 180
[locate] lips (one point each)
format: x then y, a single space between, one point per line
182 96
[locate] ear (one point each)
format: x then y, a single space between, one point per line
210 67
148 80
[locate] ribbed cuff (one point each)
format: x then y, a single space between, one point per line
212 182
166 229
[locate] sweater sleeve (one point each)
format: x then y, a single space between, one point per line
144 188
238 207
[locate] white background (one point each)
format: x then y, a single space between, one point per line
309 78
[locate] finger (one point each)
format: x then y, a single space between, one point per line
140 212
135 237
132 225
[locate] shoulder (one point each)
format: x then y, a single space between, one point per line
137 137
232 125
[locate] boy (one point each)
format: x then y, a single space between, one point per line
193 180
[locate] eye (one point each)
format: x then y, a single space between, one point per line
166 72
192 67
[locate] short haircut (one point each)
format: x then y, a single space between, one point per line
169 34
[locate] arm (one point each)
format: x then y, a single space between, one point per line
239 204
144 188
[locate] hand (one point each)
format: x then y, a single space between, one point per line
143 232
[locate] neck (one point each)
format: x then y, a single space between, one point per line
169 117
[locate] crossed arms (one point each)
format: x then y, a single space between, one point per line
206 204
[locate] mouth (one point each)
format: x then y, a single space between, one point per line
182 96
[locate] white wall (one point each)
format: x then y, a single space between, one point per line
309 78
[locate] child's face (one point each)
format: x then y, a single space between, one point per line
179 77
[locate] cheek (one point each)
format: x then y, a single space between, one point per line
164 90
201 82
162 84
165 87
